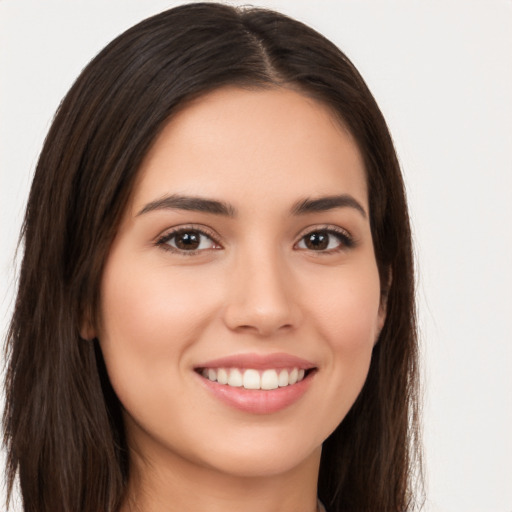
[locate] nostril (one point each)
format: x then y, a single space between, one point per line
263 328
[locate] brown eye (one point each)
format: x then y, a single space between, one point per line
324 240
187 240
318 241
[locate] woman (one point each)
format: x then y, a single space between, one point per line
215 305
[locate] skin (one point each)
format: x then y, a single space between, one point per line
256 288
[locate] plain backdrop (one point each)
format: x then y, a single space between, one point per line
442 74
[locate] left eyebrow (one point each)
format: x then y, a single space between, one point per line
323 204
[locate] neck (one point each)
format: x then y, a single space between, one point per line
172 484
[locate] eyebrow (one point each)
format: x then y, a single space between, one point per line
213 206
323 204
191 203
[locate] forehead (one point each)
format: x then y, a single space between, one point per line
263 144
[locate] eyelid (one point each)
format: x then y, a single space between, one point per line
347 240
162 239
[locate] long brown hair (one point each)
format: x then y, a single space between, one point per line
62 423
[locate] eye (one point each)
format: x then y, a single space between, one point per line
325 240
187 240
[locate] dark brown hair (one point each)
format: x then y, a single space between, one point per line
62 423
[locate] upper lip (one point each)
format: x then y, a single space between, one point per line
258 361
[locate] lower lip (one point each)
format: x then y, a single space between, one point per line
258 401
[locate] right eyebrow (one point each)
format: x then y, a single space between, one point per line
190 203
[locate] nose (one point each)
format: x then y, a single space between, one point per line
262 298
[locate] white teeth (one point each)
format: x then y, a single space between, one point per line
269 380
283 378
254 379
235 378
222 376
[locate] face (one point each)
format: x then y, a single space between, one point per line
240 301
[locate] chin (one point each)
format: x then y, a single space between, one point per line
263 461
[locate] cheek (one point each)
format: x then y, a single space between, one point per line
347 309
149 306
350 331
149 319
347 318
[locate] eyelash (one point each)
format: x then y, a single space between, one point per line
164 240
345 240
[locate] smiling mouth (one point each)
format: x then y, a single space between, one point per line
250 378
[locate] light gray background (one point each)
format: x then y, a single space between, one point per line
442 74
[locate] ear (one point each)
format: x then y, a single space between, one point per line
87 330
383 307
381 317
